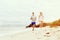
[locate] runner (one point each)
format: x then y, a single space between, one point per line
40 19
33 19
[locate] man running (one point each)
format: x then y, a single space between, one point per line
33 19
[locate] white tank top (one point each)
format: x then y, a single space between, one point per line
33 18
41 18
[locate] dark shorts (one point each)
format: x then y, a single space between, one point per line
33 23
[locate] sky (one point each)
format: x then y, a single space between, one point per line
19 11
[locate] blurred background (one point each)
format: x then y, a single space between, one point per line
18 12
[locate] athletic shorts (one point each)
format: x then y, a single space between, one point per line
33 23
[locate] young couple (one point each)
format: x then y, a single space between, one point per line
40 19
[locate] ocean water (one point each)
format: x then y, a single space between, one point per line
11 29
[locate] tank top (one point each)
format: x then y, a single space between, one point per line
41 18
33 18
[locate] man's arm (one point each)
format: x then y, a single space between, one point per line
31 18
35 18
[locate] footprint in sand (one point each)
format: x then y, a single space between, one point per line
58 30
47 34
38 38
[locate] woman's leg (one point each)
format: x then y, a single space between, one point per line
41 24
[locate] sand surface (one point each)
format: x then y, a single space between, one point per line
38 34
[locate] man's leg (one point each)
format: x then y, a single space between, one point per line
33 26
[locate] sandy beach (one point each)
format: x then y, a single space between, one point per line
38 34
